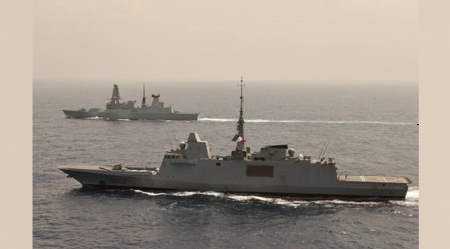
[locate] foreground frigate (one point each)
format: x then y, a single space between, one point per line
274 170
127 110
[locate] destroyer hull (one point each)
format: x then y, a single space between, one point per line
103 178
81 114
136 114
131 114
127 110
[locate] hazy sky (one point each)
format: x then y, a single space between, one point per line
300 40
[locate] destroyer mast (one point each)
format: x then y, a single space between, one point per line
115 98
143 97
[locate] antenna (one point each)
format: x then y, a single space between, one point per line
240 126
176 140
324 148
168 139
143 97
323 154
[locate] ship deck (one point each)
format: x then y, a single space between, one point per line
359 178
108 168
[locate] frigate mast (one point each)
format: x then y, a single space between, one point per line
240 126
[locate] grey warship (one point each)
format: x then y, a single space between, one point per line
83 113
273 170
115 109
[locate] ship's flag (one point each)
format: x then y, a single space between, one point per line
238 139
241 139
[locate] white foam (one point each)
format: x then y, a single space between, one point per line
303 121
248 198
184 193
148 193
412 194
296 203
212 193
411 199
217 119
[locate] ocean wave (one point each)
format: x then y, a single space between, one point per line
413 193
181 194
303 121
411 199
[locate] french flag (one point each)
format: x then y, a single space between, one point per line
238 139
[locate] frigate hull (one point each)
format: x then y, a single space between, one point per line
290 178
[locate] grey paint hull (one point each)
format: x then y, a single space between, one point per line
291 179
146 114
274 170
135 114
81 114
115 109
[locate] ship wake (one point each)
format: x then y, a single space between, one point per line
303 121
412 199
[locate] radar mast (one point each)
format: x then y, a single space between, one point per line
143 97
115 97
240 127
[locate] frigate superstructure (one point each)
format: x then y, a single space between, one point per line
115 109
273 170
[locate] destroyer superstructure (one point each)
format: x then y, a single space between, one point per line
273 170
115 109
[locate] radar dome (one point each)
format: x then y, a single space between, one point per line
291 152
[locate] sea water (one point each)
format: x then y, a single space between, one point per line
372 130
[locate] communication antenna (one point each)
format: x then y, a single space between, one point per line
168 139
176 140
240 126
324 148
